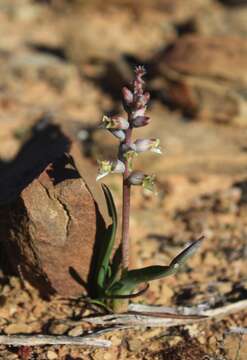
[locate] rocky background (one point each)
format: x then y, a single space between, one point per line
62 65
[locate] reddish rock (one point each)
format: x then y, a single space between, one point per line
52 229
197 76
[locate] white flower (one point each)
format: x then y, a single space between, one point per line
107 167
141 145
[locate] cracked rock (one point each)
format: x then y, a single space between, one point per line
51 230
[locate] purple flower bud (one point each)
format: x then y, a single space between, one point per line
139 112
141 145
120 134
142 100
139 82
116 122
146 96
140 121
127 96
140 70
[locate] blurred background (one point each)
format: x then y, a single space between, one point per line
67 60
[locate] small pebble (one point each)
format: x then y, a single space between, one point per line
51 355
76 331
58 329
18 328
134 344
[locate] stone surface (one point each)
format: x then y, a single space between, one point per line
58 329
76 331
18 328
198 76
52 229
51 355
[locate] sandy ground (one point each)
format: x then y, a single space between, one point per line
56 64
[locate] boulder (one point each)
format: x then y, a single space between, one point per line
52 230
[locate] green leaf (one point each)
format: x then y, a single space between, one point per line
182 257
114 274
107 246
131 279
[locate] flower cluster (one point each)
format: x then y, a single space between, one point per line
135 103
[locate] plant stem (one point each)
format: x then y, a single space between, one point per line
126 207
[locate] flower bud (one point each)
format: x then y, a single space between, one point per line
142 100
116 122
139 82
141 145
106 167
136 178
140 121
139 178
140 70
118 167
139 112
120 134
127 96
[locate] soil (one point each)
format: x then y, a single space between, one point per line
65 62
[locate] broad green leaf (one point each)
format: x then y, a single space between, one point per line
131 279
107 246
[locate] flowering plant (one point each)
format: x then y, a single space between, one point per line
115 282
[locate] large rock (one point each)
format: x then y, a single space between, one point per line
206 77
52 229
52 215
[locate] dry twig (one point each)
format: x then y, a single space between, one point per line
138 316
38 340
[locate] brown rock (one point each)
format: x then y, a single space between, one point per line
52 229
58 329
76 331
51 355
198 76
18 328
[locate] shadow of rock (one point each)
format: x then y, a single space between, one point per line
46 144
40 183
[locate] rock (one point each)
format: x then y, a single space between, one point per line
134 345
52 230
42 67
18 328
198 77
234 344
51 355
58 329
76 331
52 213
